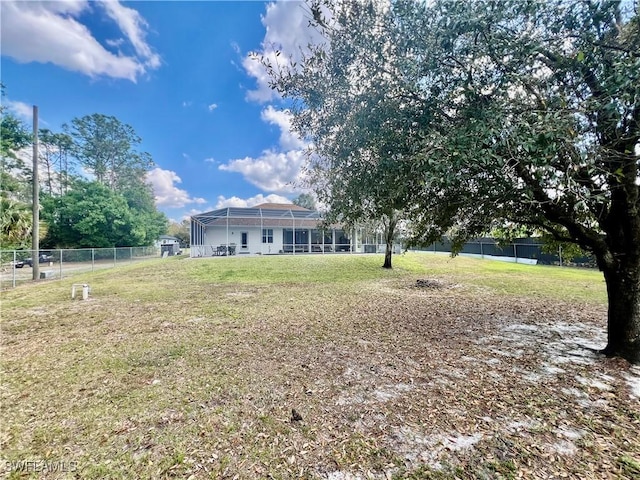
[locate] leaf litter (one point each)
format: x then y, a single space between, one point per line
384 379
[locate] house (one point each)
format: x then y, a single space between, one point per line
268 228
169 244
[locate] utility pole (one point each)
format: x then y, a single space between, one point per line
35 230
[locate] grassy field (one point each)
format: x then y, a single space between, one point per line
316 367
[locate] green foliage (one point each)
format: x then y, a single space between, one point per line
56 161
15 211
79 213
13 137
534 133
122 213
347 104
106 147
181 231
468 115
506 234
569 251
305 200
92 215
15 224
148 223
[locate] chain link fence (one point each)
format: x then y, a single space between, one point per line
523 250
16 265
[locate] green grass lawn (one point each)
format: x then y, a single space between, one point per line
190 368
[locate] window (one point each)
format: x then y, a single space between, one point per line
267 235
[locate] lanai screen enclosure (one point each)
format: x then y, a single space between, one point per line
265 229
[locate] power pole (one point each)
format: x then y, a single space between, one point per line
35 230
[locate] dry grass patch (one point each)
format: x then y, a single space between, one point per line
192 368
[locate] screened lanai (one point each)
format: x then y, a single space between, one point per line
264 229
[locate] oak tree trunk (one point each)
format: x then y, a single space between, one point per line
623 322
387 256
389 232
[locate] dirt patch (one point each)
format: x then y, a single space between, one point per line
432 284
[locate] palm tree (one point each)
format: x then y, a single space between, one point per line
15 224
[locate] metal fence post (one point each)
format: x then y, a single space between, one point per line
93 258
14 269
60 264
560 253
114 256
515 252
481 252
131 254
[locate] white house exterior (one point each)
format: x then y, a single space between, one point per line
169 244
265 229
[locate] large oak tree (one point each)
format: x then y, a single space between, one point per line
481 113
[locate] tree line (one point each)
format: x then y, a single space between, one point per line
93 191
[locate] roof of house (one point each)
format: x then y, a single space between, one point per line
281 206
266 216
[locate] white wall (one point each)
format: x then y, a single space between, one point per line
218 236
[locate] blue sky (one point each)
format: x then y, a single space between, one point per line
180 74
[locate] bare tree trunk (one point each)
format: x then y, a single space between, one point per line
49 177
390 228
46 161
623 322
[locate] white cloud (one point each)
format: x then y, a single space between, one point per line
254 68
187 103
272 171
210 160
115 42
166 192
134 27
49 32
282 118
195 211
212 107
20 109
278 170
250 202
223 202
287 31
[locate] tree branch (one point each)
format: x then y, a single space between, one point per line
585 237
